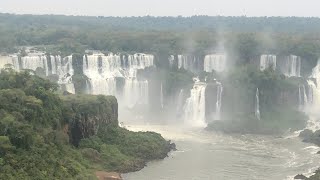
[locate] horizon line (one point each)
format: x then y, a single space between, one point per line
147 15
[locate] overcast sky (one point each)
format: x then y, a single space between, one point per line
164 7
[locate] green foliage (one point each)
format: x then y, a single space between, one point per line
118 149
36 126
278 102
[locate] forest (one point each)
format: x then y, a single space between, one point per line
77 135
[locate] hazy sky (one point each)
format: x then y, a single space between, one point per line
164 7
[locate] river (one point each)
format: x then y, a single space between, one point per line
209 156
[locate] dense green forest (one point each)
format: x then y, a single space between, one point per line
44 134
243 38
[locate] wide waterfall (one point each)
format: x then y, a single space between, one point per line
51 65
195 106
102 71
257 105
219 101
186 62
216 62
11 60
291 66
34 61
268 61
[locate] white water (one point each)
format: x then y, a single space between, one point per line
291 66
194 108
314 99
34 61
9 60
205 155
304 101
187 62
64 69
268 61
216 62
171 60
102 71
135 92
219 101
161 95
61 67
257 105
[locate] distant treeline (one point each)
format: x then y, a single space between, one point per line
243 38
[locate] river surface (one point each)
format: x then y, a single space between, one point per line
212 156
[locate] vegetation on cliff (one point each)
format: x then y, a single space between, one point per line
277 99
44 135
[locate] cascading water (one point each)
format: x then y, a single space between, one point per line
291 66
180 102
54 65
34 61
186 62
314 99
219 101
304 101
216 62
161 96
257 105
194 109
268 61
171 60
12 60
64 69
102 71
136 92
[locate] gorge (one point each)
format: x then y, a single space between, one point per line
233 94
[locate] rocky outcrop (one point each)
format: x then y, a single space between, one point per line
310 136
300 176
86 113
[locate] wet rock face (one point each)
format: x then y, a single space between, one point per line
86 113
310 136
300 176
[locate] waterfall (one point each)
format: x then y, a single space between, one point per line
219 101
161 96
268 61
34 61
102 71
216 62
187 62
303 98
64 69
171 60
54 65
314 89
257 105
180 102
135 92
291 66
10 60
194 109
